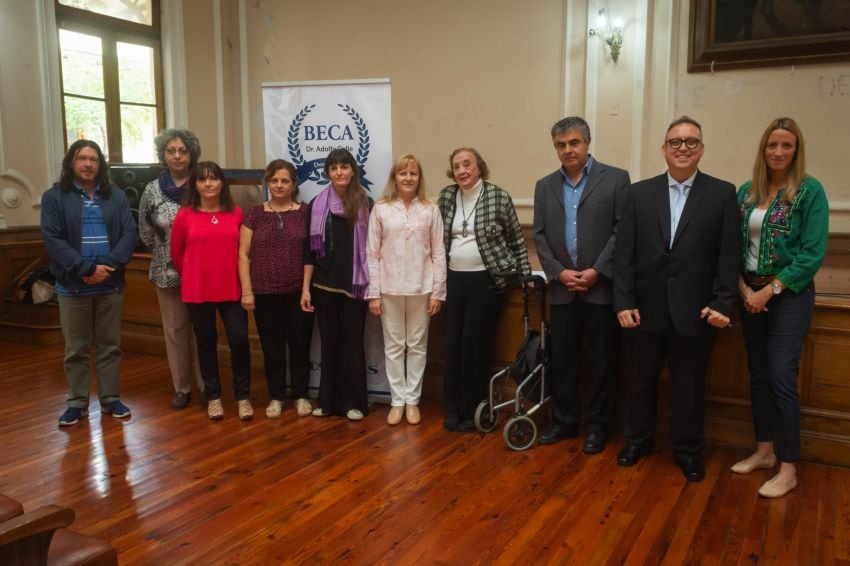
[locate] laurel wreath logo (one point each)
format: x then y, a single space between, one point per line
362 131
292 135
312 171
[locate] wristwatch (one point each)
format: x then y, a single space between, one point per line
775 287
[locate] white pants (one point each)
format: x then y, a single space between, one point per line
405 321
179 340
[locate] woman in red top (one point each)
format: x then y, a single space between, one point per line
204 250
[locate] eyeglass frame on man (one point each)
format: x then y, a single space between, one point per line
177 150
676 143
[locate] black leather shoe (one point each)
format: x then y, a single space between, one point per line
466 426
451 421
594 442
630 455
557 432
692 468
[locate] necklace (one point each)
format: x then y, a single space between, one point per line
464 230
213 217
277 213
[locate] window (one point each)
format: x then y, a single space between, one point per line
111 75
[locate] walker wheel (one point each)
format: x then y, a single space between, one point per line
520 433
485 421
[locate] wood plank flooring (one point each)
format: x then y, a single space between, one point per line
171 487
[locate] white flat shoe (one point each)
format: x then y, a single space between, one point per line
274 409
773 489
752 464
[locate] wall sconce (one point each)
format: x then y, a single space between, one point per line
611 33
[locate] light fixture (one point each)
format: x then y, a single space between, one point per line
610 32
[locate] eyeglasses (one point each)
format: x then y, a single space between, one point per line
177 151
690 143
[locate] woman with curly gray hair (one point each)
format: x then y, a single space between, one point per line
178 151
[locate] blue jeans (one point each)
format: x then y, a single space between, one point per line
774 342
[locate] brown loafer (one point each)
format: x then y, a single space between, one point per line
394 416
411 412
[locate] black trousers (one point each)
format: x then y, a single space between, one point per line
572 323
687 358
472 312
341 324
281 323
235 321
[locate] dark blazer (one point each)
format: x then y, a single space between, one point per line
599 211
672 285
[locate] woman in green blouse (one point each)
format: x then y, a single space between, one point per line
785 225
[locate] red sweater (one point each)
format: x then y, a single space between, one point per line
206 254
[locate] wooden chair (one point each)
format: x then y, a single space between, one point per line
42 537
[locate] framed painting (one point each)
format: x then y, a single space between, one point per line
735 34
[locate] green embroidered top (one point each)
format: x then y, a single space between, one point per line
793 235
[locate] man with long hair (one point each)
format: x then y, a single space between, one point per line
90 235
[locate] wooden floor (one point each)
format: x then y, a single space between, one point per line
171 487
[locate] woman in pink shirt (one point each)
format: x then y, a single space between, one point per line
204 250
407 280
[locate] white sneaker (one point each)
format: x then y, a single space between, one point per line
274 409
354 415
303 407
317 412
246 411
214 410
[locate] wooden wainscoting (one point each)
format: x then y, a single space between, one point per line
22 249
823 383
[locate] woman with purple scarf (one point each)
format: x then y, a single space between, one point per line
178 151
336 278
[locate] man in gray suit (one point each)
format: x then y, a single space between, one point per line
576 210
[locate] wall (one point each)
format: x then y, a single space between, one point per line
490 73
27 154
480 73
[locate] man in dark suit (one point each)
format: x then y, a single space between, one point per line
576 211
676 269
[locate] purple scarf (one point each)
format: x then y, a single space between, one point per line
167 186
328 202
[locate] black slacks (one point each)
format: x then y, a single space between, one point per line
341 324
280 323
687 358
235 321
572 323
472 311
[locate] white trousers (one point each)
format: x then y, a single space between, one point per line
179 340
405 322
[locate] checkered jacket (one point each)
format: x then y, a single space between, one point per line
497 230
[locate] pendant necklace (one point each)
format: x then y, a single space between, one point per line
212 213
277 213
464 231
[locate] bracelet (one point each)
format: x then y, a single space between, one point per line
247 294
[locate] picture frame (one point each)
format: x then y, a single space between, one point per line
737 34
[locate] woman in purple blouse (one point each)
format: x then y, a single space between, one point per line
271 270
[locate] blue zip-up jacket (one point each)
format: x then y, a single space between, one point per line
62 229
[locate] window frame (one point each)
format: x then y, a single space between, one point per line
112 31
